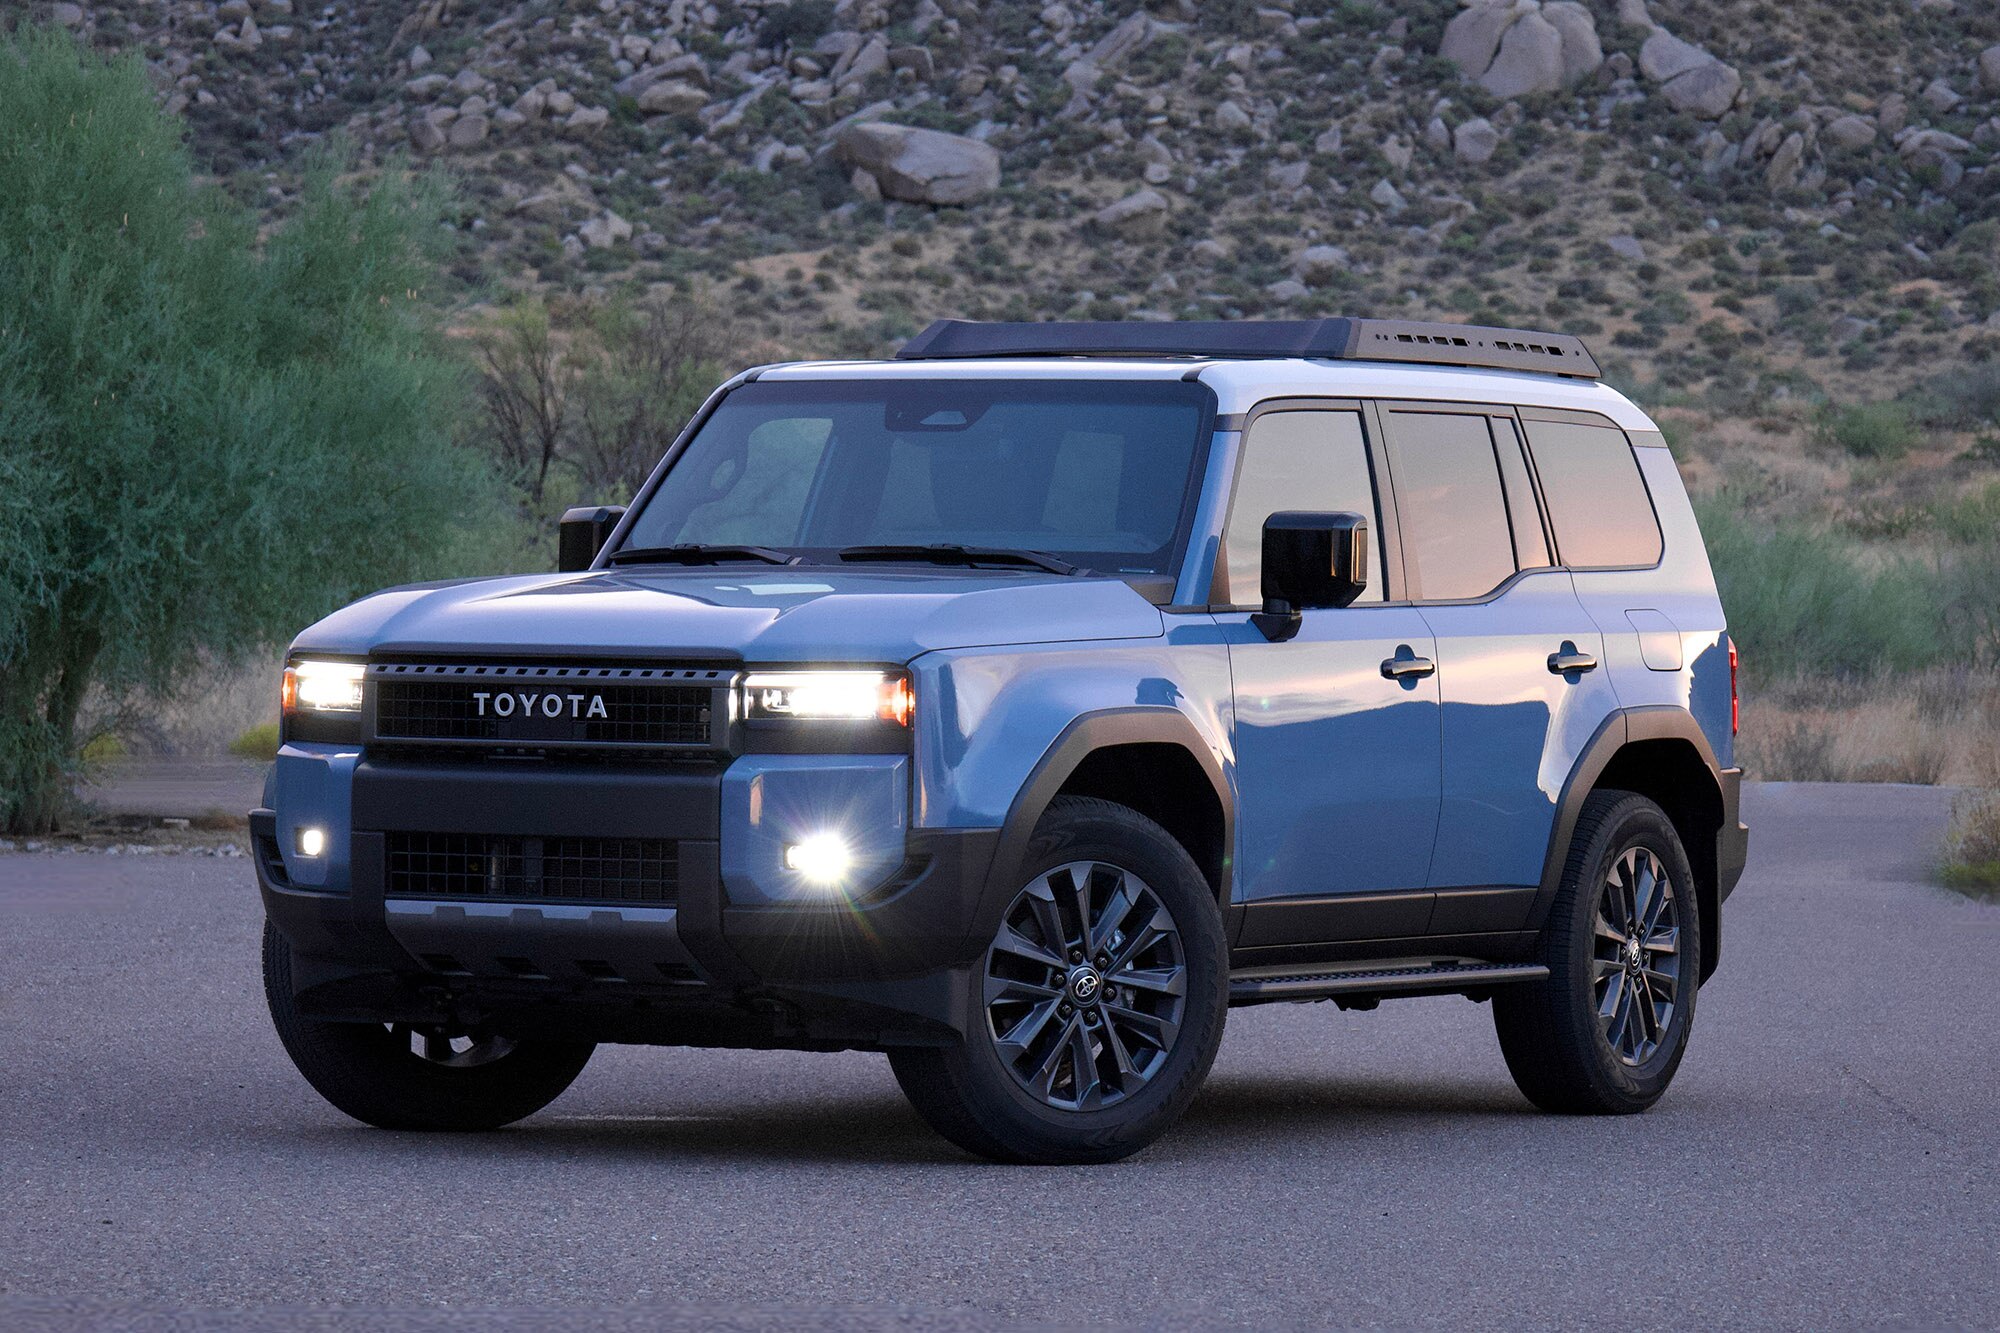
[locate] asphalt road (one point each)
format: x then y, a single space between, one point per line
1829 1155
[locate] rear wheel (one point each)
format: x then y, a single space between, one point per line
1605 1032
1097 1008
398 1076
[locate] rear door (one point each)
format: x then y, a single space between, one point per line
1336 762
1518 656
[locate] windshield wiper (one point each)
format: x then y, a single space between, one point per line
698 553
954 553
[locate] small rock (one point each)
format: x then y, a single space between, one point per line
865 185
468 81
427 85
1626 247
916 59
1209 250
467 131
1475 141
1849 132
1287 290
1893 114
1941 97
419 57
69 16
1783 171
1989 69
1140 211
587 119
425 135
1317 264
1388 197
1287 176
601 233
672 97
1707 91
1231 117
1328 143
1398 152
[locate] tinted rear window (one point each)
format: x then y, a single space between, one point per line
1456 540
1597 500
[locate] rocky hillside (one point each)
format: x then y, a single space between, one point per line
1745 198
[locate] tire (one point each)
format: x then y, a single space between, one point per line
1605 1032
1095 1070
372 1072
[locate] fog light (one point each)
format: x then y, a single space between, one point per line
311 841
822 859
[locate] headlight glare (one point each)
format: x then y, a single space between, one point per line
323 687
828 696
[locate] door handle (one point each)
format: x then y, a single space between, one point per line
1570 659
1406 665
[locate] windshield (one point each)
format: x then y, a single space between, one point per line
1097 473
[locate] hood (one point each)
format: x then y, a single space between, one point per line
755 614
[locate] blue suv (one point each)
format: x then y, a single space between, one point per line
1019 706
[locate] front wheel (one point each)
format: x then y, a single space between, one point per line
1605 1032
1097 1008
395 1076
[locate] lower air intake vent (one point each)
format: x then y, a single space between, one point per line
477 865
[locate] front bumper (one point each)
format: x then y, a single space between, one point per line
720 963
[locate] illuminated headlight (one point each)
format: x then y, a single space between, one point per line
323 687
829 696
823 858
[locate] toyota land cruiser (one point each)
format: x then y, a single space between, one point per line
1019 706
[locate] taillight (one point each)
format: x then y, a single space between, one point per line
1735 701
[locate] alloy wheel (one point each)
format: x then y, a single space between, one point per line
1635 968
452 1050
1086 984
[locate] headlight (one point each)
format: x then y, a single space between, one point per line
829 696
323 687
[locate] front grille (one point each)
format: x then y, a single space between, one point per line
479 865
542 706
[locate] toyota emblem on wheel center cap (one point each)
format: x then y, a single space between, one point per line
1084 984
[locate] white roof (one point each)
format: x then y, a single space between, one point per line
1241 384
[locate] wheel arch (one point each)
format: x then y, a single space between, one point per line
1149 759
1660 753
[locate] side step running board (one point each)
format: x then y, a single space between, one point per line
1447 977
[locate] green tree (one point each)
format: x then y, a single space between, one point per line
207 438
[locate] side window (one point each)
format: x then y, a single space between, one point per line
1598 504
1451 508
1310 460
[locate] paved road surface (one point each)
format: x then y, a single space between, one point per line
1828 1155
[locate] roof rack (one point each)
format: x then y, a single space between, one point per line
1334 339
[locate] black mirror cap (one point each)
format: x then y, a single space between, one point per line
583 533
1314 559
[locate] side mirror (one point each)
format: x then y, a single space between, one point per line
583 534
1310 561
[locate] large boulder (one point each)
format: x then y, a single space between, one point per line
1142 212
1517 48
1475 141
1692 79
920 166
1989 69
1849 132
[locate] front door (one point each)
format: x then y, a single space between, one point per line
1336 758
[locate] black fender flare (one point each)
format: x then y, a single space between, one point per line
1627 726
1137 725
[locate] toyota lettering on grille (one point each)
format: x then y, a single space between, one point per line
523 703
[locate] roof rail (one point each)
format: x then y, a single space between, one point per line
1334 339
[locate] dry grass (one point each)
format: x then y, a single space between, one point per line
1941 727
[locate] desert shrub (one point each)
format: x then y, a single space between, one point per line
1867 430
207 437
259 742
1804 602
1972 845
1967 398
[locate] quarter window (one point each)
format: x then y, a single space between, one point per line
1309 460
1450 506
1597 500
